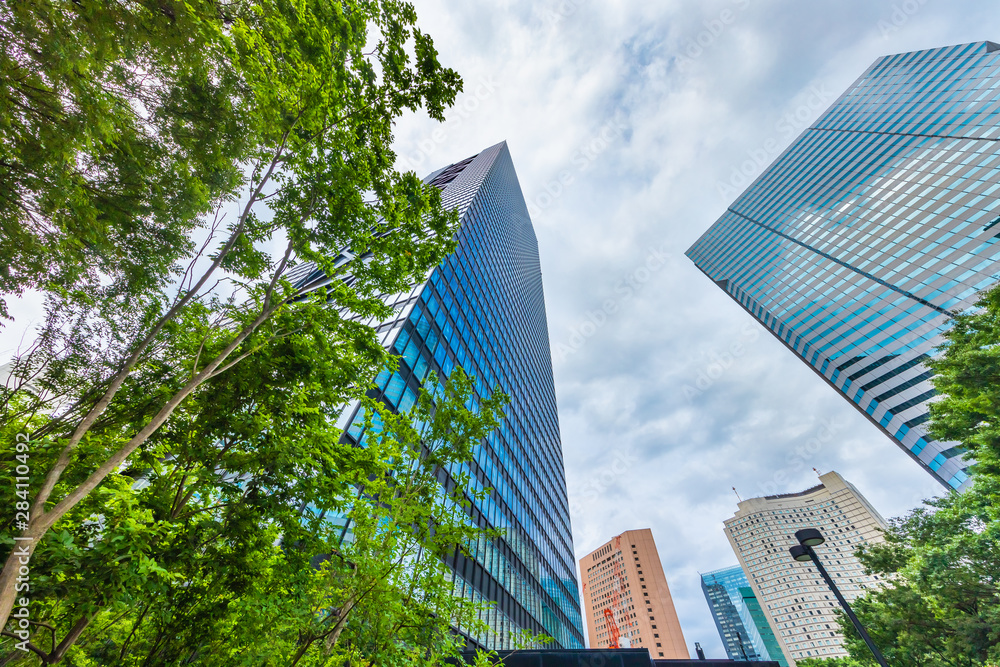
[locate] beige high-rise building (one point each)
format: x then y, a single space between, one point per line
625 593
799 605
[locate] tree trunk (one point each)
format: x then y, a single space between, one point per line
68 640
20 557
40 523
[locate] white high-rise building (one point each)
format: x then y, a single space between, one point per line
799 605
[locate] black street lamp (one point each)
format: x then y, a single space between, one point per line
803 551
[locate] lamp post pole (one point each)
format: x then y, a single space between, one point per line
808 538
847 608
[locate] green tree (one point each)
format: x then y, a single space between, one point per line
967 376
312 177
235 578
120 123
188 513
828 662
940 605
386 596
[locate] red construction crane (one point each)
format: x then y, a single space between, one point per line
618 590
612 628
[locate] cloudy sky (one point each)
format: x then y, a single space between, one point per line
627 122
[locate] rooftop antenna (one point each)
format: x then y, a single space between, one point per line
737 494
817 472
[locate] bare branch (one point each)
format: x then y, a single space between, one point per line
278 272
188 275
258 348
34 649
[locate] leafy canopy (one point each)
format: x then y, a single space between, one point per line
171 164
940 605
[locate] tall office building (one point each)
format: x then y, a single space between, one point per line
875 226
626 598
797 603
739 618
758 621
483 309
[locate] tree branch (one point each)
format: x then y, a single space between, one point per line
41 654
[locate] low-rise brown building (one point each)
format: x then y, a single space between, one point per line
626 599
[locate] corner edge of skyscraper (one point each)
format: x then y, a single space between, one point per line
871 230
483 309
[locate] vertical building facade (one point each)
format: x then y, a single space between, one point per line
626 598
483 309
798 605
875 226
758 620
742 624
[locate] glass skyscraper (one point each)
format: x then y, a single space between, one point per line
871 230
758 619
483 309
742 625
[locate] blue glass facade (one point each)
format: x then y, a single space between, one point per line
483 309
744 633
757 618
877 224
